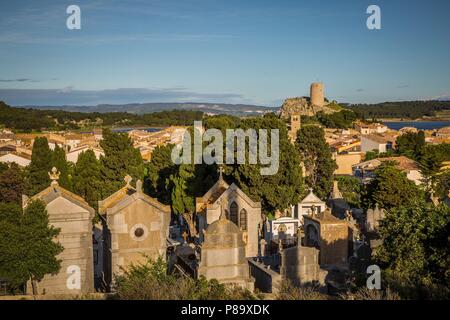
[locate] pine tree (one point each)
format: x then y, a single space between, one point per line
277 191
120 159
390 188
86 178
40 166
316 156
27 247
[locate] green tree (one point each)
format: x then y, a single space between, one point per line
442 184
87 178
370 155
120 159
59 162
40 166
350 188
27 247
183 195
415 249
410 144
3 167
12 184
390 188
316 156
277 191
159 170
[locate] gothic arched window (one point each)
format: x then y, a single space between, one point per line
234 212
243 219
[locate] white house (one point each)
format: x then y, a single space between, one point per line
375 142
73 155
365 170
11 157
306 206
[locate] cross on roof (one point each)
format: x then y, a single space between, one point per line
221 171
184 235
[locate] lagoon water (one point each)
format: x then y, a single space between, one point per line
421 125
129 129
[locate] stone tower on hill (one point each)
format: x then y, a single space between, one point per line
317 94
308 106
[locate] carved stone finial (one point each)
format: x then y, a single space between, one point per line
128 180
54 176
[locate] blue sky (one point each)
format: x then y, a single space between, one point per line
257 52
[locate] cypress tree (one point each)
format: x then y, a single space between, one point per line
86 178
59 162
316 156
40 166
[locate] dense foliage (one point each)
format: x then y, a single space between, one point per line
317 159
390 188
339 120
27 247
12 185
120 159
415 252
410 144
350 188
33 119
41 164
277 191
86 180
151 281
402 109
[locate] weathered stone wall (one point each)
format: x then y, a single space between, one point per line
76 238
126 248
253 220
266 280
300 265
334 243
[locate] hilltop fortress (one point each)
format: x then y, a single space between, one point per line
308 106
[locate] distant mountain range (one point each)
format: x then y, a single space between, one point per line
141 108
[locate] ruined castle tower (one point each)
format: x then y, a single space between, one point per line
317 95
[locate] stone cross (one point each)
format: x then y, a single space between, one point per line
54 176
220 170
128 180
184 235
222 212
263 244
